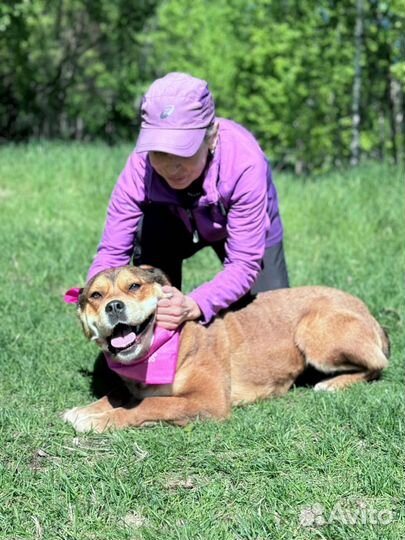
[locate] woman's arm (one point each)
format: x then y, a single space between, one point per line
123 214
247 224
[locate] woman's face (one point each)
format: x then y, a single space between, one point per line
179 172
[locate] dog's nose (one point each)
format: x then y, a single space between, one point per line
115 307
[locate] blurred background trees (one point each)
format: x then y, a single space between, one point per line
320 83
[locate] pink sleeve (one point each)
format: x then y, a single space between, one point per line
245 245
123 214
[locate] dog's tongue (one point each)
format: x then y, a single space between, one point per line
124 339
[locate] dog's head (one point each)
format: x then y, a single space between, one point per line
117 310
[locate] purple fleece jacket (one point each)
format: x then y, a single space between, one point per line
239 205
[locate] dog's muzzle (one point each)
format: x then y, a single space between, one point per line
124 336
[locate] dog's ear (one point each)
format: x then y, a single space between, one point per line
157 275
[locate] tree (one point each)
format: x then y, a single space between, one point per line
71 69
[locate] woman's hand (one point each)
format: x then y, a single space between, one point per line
173 311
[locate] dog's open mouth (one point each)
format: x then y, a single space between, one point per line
125 336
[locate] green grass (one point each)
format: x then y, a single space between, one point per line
249 478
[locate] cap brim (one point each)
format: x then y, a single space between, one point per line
180 142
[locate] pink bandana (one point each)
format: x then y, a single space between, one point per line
158 366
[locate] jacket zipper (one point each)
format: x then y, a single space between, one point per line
196 236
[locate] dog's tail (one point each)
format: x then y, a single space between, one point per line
386 342
383 340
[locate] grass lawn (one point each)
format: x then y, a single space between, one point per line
307 465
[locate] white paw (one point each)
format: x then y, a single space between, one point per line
84 422
70 415
93 422
324 386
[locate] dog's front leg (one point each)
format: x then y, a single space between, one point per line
178 410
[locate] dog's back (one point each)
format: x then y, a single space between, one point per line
276 337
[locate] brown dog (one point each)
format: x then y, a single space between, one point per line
243 356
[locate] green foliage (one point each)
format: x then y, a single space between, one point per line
71 69
284 69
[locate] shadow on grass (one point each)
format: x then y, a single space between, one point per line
310 377
103 381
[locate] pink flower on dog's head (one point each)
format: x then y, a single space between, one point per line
72 295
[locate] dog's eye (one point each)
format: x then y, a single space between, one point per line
96 295
134 287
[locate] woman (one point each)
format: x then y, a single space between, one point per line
195 180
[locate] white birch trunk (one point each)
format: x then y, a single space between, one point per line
356 99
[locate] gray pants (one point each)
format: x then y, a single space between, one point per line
274 274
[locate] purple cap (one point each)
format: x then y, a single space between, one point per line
176 111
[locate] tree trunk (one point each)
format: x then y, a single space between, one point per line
397 118
381 131
358 35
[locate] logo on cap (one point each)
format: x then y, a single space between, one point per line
168 111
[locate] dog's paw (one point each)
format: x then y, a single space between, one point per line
325 386
84 422
70 415
97 423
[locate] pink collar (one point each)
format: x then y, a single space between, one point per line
158 366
